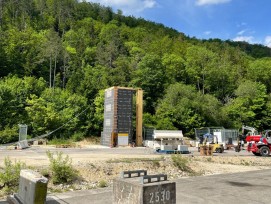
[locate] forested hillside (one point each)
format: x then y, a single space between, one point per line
57 57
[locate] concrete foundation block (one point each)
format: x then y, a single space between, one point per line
32 189
36 142
22 144
136 191
166 147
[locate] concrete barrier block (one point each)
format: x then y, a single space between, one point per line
32 188
183 148
23 144
166 147
36 142
134 191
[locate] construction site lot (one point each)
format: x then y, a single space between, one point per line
98 165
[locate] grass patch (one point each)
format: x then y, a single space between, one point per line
245 163
93 140
102 184
156 163
45 172
209 159
59 141
181 163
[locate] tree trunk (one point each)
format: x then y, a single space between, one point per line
55 71
50 74
64 71
1 12
203 88
198 83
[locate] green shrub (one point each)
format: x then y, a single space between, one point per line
209 159
10 175
61 167
78 136
58 141
181 163
9 135
45 172
156 163
246 163
102 184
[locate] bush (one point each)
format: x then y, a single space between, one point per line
45 172
78 136
10 175
61 167
102 184
181 163
9 135
59 141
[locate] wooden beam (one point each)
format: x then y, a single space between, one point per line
120 87
114 134
139 117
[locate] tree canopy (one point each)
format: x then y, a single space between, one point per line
57 57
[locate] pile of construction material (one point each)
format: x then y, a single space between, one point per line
206 150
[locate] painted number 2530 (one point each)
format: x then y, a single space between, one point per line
159 196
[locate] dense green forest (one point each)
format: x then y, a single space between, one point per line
57 57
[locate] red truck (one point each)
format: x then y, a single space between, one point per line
259 145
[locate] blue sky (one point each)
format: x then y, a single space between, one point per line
238 20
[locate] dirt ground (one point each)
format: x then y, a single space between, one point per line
200 165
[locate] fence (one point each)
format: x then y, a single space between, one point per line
223 135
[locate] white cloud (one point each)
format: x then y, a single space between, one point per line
207 32
249 39
208 2
241 32
149 3
243 24
128 7
267 41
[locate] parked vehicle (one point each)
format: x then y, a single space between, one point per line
213 142
259 145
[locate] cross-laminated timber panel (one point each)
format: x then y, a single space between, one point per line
118 114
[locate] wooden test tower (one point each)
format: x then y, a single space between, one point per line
118 114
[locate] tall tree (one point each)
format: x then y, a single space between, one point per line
175 68
110 46
185 108
199 61
260 70
248 106
51 50
14 92
53 109
150 76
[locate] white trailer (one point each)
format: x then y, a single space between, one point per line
167 140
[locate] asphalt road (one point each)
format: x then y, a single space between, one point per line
239 188
38 151
36 155
247 187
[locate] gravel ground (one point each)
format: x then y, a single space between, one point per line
98 166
